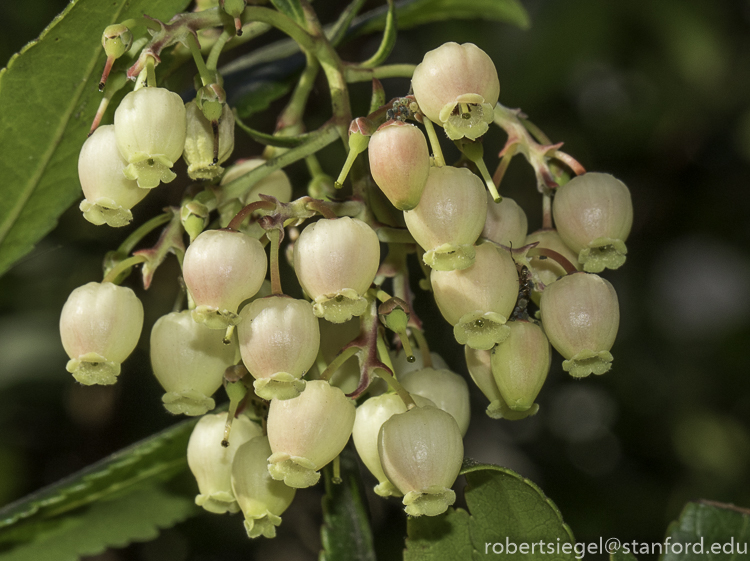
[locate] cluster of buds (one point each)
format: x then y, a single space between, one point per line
293 402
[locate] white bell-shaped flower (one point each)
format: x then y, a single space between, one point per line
479 300
100 325
279 340
457 86
211 463
421 452
335 262
446 389
150 125
221 269
189 360
369 418
449 218
262 499
307 432
109 194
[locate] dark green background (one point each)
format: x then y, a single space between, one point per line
655 93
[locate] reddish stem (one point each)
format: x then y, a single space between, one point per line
247 211
555 256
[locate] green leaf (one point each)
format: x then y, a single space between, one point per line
389 39
49 96
708 531
346 532
412 13
157 458
291 9
259 95
509 517
137 516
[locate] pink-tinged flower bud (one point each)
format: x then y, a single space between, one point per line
109 194
100 325
506 223
369 418
449 218
307 432
211 463
547 270
479 300
262 499
421 452
399 162
521 363
150 125
199 142
279 340
189 360
457 87
479 363
581 315
446 389
593 214
336 261
221 269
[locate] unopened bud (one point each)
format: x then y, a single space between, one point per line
116 40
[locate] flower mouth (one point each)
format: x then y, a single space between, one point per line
467 116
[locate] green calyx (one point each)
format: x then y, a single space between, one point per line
105 211
218 503
603 253
214 318
187 402
93 369
588 362
211 100
498 409
481 330
281 385
448 257
234 7
387 489
116 40
429 502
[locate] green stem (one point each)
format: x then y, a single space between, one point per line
321 208
479 162
218 46
122 267
434 142
547 212
282 23
292 114
275 236
389 378
150 73
195 49
423 347
143 230
359 74
338 362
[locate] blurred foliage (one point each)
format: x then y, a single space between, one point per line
655 93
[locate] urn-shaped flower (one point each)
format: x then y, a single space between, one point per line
446 389
199 149
100 325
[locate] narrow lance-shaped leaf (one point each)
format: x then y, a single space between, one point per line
49 95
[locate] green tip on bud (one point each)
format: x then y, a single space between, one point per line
211 99
116 40
357 144
233 7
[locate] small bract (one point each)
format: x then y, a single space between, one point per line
100 325
581 316
479 300
593 214
211 463
479 363
150 125
199 142
307 432
421 452
399 163
457 86
449 218
221 269
261 498
279 340
109 194
335 262
189 360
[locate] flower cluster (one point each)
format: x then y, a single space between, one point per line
303 375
